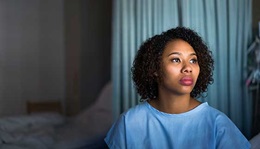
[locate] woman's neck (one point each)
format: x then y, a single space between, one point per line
175 104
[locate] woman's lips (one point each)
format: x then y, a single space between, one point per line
186 81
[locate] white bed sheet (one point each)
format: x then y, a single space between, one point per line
54 131
35 131
50 131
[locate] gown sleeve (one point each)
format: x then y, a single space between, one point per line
228 135
116 136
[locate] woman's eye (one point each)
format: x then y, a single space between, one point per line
176 60
193 61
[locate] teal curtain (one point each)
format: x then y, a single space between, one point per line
225 25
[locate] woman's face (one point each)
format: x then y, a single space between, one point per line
179 68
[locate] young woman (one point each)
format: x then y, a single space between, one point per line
170 71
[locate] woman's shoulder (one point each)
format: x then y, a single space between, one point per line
215 116
132 117
137 110
213 111
221 120
226 129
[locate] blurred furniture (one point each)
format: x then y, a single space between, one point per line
47 129
43 106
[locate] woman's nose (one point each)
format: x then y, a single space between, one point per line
186 68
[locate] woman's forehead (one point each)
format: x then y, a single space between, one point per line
178 46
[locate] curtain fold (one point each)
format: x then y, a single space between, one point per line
224 25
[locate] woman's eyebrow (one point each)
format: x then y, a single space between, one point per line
173 53
193 54
178 53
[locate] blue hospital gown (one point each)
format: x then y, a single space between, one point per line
144 127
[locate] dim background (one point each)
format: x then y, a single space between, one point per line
53 50
57 50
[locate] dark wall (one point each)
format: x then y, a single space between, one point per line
96 48
31 53
72 33
88 50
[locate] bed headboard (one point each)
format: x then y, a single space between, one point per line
34 106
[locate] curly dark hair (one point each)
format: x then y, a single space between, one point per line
149 58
